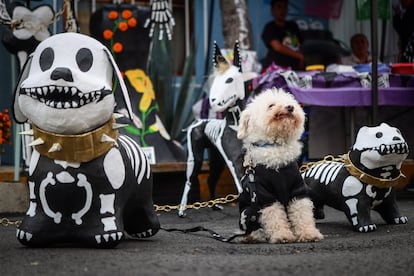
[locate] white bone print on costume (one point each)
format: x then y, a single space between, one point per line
83 182
139 161
42 193
107 203
352 205
352 186
113 159
325 172
109 224
32 207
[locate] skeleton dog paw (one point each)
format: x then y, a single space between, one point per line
363 179
88 184
274 205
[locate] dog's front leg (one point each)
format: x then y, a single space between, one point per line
275 224
300 212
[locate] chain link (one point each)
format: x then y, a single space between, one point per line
327 158
6 222
197 205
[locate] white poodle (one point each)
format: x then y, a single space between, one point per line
274 205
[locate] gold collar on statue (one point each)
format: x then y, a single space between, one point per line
75 148
369 179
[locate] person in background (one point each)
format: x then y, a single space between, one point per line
360 51
282 39
403 23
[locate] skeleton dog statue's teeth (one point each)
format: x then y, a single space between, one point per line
63 97
22 235
116 236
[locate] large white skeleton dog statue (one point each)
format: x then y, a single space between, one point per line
88 184
364 180
227 95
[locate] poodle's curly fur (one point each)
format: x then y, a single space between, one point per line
270 127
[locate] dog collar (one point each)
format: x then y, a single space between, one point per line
367 178
264 144
75 148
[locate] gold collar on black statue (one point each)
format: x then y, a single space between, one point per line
76 148
369 179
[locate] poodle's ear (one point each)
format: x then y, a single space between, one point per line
243 124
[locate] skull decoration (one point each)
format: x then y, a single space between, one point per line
88 184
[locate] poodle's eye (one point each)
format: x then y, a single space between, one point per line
378 134
271 105
46 59
398 131
84 59
229 80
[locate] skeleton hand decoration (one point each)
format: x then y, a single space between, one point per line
4 15
160 15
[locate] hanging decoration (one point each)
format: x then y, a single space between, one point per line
4 15
161 18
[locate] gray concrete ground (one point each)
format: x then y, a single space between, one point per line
387 251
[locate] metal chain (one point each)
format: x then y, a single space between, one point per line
197 205
5 222
327 158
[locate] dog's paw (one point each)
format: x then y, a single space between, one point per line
401 220
312 235
284 237
366 228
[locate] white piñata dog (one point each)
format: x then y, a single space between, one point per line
88 184
274 205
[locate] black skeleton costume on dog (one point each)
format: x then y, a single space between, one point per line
363 180
88 184
263 186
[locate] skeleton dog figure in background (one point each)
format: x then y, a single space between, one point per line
363 180
227 95
88 184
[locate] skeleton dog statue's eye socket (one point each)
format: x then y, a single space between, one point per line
378 134
229 80
46 58
84 59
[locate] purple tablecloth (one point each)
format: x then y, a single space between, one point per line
334 89
354 96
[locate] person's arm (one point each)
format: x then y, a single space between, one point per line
279 47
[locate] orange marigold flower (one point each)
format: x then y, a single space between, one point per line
118 47
108 34
113 15
132 22
126 14
123 26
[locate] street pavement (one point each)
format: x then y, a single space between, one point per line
387 251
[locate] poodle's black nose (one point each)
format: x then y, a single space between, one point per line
290 108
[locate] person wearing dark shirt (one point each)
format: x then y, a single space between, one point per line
403 23
282 39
